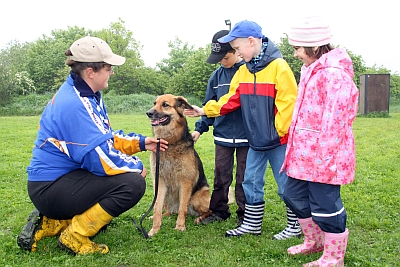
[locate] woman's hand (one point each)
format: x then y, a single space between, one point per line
151 144
144 172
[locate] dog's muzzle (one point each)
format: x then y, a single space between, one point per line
157 119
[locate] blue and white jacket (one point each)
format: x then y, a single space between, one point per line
228 129
75 132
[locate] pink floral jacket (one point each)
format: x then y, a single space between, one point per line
321 141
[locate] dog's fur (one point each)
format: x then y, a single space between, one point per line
183 187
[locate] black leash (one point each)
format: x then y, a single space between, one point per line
141 228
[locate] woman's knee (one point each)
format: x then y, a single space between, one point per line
127 193
135 186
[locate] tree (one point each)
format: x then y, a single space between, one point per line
122 43
358 67
13 56
14 79
151 81
46 58
70 35
287 53
395 86
193 77
40 67
5 86
178 56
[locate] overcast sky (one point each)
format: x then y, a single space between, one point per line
367 28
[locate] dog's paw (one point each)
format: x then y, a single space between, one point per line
152 232
180 228
198 220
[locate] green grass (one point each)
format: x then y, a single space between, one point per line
372 203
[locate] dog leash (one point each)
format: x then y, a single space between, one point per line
141 228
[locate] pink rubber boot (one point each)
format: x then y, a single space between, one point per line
313 238
334 250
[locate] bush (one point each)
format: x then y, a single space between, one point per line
34 104
5 89
29 105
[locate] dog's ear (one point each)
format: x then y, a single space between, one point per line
182 102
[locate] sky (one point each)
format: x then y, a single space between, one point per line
366 28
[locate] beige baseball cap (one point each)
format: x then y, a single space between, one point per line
93 49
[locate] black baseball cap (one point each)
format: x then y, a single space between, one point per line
218 50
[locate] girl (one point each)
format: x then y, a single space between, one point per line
320 154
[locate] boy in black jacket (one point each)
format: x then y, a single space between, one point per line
229 135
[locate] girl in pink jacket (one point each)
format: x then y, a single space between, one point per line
320 154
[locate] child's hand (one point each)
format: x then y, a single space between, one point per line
195 112
195 136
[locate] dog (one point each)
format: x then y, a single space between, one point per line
183 188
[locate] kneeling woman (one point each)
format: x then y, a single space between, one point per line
82 174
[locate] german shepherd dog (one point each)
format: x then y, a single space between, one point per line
183 187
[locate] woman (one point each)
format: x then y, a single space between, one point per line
82 174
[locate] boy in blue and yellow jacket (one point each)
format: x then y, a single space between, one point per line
265 89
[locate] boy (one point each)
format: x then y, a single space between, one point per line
265 89
229 135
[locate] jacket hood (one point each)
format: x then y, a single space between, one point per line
272 52
336 58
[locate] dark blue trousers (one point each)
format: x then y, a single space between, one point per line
223 177
320 201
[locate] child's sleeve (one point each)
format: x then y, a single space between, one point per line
285 98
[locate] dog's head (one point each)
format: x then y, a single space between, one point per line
167 108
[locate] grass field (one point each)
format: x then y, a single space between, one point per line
372 203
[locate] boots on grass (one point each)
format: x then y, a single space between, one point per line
253 216
75 238
313 238
292 229
37 228
334 251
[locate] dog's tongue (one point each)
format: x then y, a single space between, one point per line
155 122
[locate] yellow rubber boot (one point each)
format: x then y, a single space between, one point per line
49 227
39 227
75 238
